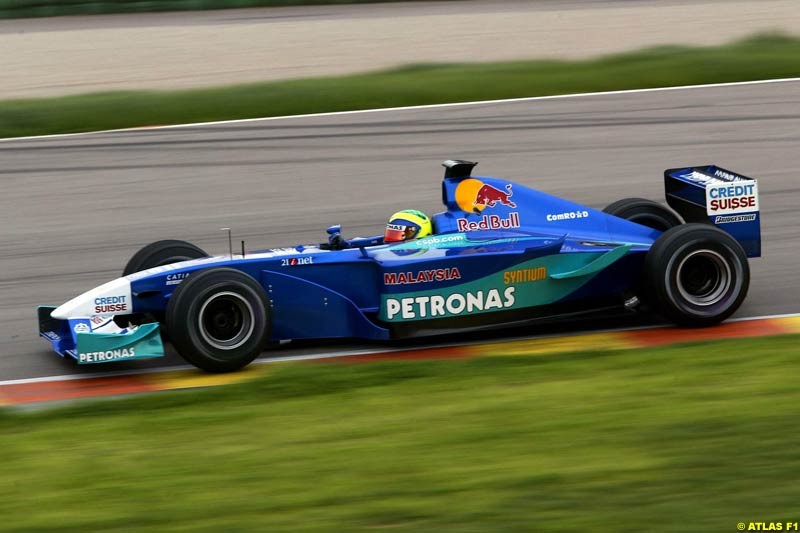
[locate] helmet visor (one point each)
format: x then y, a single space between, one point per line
399 232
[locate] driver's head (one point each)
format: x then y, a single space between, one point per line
407 224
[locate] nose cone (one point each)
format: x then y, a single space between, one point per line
112 298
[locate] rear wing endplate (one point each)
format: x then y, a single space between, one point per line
714 195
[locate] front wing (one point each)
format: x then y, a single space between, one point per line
82 340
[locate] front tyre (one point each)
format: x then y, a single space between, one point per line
218 319
162 253
156 254
697 275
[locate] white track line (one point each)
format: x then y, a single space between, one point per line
331 355
112 374
406 108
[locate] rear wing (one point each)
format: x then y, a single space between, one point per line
714 195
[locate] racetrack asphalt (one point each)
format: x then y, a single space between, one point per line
74 209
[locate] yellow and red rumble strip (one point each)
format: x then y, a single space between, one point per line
25 392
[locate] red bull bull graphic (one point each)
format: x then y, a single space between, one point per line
473 196
489 196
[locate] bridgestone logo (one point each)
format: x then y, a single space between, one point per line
734 218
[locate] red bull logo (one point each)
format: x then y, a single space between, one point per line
489 196
488 222
473 196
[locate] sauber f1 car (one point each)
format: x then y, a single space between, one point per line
501 254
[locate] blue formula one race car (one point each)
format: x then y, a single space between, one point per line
500 254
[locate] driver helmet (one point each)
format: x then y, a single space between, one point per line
407 224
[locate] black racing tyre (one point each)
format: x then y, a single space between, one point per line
162 253
645 212
696 275
218 319
155 254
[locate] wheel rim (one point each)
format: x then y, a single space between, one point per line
704 277
226 320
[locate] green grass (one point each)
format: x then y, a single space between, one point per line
755 58
51 8
687 438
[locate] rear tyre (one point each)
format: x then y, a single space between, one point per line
162 253
696 274
218 319
645 212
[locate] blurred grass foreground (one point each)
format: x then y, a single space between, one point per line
756 58
688 438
